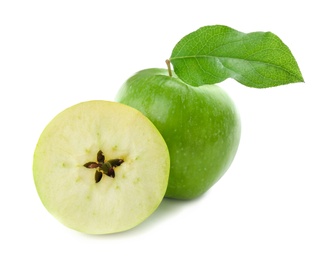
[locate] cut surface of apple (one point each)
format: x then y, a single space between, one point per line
101 167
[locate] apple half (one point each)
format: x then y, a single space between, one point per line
101 167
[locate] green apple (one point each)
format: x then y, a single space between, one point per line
101 167
200 125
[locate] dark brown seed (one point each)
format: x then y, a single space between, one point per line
91 165
98 176
111 173
116 162
100 157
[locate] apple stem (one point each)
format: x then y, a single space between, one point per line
169 67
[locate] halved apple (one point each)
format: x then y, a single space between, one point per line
101 167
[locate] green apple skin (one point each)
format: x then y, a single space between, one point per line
200 125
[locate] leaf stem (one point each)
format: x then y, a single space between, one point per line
169 67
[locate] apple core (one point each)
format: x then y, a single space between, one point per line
103 167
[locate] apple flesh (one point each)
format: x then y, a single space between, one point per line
200 125
101 167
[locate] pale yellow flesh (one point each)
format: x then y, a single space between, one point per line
68 190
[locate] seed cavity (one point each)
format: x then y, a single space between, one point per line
102 167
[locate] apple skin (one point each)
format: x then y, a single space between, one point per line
200 125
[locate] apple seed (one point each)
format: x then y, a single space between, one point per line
98 176
100 157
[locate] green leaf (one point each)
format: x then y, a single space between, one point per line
214 53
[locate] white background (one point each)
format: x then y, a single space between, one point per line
276 200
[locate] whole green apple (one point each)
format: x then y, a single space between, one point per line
200 125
